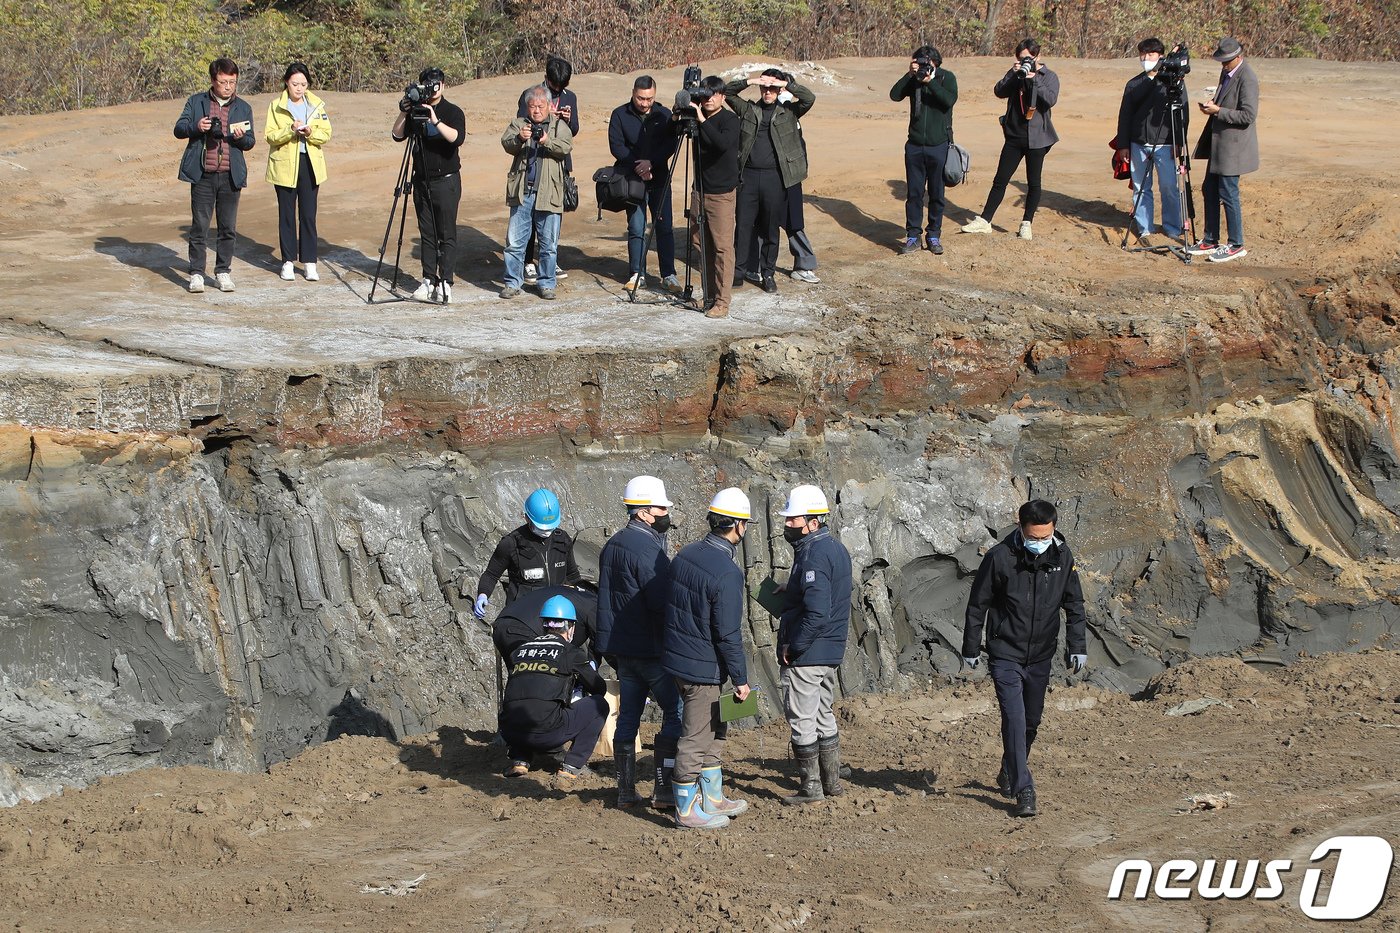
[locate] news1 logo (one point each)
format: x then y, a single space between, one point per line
1358 885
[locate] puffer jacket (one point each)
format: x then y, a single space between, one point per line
549 183
817 614
284 151
703 643
784 129
634 579
1019 596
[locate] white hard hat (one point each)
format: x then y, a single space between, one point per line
645 490
731 503
805 500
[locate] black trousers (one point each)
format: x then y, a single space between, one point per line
1021 697
213 196
438 241
298 240
761 211
583 725
923 170
1012 152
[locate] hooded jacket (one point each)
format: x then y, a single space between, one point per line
1018 596
284 151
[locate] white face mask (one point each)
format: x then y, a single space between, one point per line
1037 547
1149 65
541 532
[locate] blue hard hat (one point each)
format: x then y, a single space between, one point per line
559 607
542 509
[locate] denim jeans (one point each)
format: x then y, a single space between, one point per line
1164 162
523 218
213 196
659 204
923 170
639 678
1218 189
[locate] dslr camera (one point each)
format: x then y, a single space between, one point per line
415 98
925 67
216 127
1026 65
1175 66
537 131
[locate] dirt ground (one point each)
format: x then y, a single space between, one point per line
920 840
93 221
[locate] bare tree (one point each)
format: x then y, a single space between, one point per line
989 37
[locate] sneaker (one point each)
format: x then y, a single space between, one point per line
635 282
196 284
547 294
444 292
311 274
1025 231
288 272
805 275
424 291
672 284
510 291
569 777
911 245
977 225
717 310
517 768
934 246
225 281
1226 253
532 273
560 274
1203 248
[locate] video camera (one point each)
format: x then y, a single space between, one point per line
692 93
1175 66
415 98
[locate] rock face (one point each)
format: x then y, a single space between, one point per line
292 567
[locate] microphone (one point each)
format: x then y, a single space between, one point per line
683 100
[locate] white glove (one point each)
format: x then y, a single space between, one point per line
1077 662
970 663
479 610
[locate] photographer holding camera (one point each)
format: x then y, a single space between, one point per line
932 92
712 227
1230 142
642 140
437 184
540 142
1145 137
219 126
564 102
1030 90
771 160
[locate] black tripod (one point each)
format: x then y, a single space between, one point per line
1182 159
686 153
410 174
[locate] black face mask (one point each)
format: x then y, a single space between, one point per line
661 524
792 535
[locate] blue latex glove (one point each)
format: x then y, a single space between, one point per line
479 610
1077 662
970 663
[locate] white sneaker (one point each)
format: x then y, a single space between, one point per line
672 284
311 274
424 291
560 274
196 284
445 292
288 272
634 283
532 273
805 275
977 225
1025 231
225 281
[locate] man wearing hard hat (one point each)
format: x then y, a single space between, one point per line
812 641
702 648
536 554
634 582
540 711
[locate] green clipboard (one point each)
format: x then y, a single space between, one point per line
731 709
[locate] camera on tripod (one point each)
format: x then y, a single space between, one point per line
415 98
692 93
1175 66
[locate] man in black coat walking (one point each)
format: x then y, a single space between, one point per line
1022 585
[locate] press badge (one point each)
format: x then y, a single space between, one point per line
533 573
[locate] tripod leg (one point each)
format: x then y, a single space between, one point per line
400 187
1146 185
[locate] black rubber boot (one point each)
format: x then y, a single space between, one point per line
663 750
810 790
829 757
625 760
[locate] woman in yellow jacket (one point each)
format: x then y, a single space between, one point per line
297 128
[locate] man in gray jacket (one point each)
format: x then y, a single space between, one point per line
1231 144
540 142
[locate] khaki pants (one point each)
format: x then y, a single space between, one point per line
718 248
808 694
702 734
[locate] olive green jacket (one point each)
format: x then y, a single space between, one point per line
549 181
785 130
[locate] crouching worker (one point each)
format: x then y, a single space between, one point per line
543 709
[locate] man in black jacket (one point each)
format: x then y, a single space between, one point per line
642 140
536 554
1021 587
932 92
437 184
712 227
1145 138
554 695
